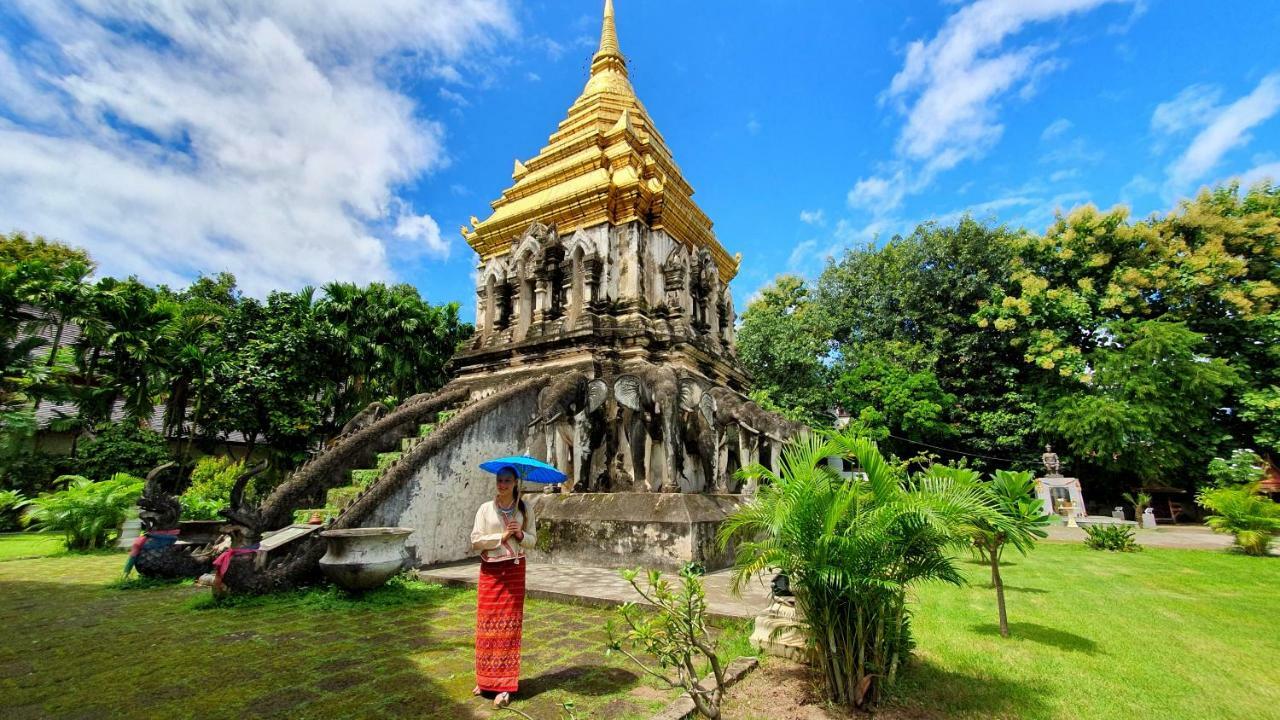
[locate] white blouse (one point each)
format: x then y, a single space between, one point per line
486 534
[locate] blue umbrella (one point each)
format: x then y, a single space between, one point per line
530 469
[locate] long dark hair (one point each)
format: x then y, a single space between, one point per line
515 493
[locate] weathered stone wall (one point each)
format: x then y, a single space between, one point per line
652 530
440 502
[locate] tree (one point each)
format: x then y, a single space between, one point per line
891 385
1151 405
1021 515
852 550
909 304
1209 266
782 345
122 349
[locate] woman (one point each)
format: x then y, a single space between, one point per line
503 529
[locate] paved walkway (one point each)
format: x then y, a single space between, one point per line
1194 537
605 587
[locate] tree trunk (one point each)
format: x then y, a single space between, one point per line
998 584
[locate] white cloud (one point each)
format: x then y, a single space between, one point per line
456 98
1228 128
1055 129
260 137
1194 107
753 125
1268 171
951 87
813 217
801 255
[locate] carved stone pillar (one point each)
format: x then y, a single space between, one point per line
540 296
673 289
483 311
591 267
748 453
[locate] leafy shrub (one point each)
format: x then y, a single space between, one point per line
1254 520
1242 468
1115 538
86 511
11 504
32 472
210 488
122 448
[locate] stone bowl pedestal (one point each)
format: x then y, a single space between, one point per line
781 631
362 559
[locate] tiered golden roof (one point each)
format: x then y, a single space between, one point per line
606 163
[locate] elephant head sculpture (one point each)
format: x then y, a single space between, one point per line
650 397
558 403
699 435
589 435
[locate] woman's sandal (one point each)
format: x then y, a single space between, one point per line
502 700
477 691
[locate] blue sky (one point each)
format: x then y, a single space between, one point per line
293 146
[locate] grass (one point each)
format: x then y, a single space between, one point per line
81 643
19 545
1162 633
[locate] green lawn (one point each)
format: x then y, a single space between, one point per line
1159 633
15 546
78 645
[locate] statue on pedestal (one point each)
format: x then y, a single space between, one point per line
1052 466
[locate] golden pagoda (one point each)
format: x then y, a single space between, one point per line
606 162
596 258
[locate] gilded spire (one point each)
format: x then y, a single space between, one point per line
610 53
605 163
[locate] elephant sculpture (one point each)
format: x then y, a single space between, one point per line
699 436
558 403
729 419
590 437
650 401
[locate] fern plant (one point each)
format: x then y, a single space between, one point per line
852 550
11 504
1115 538
1254 520
86 512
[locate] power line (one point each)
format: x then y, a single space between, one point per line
950 450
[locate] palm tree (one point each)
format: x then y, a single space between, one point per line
1012 495
1253 519
852 549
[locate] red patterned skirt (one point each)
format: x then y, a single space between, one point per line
499 622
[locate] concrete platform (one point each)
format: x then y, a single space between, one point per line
603 587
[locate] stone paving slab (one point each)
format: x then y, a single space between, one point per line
605 587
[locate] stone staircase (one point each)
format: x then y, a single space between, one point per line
337 499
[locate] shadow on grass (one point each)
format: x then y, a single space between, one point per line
1060 639
944 693
1024 590
592 680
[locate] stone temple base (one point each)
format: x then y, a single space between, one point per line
652 530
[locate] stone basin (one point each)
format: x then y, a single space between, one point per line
361 559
